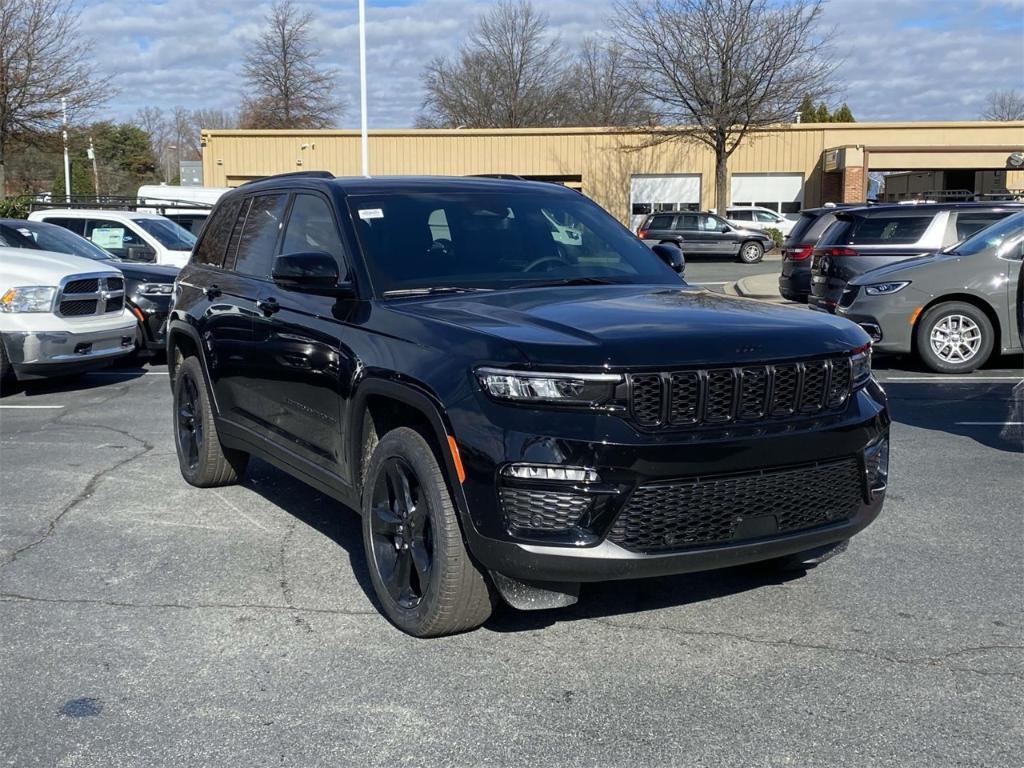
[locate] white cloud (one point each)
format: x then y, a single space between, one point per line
907 60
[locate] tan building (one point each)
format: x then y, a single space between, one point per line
630 174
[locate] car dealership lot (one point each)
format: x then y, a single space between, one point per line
144 622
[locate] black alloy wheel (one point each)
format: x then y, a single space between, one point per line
402 534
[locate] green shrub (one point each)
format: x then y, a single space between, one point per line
775 235
14 207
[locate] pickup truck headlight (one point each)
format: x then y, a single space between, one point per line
861 360
156 289
580 389
885 289
31 298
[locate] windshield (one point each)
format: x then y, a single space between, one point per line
499 240
12 237
50 237
1002 235
169 234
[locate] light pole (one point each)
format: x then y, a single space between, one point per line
364 139
67 157
167 176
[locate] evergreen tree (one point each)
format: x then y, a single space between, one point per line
843 115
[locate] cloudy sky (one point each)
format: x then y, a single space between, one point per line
903 59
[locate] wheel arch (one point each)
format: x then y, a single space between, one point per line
967 298
183 341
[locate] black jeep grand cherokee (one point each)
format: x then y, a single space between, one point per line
513 411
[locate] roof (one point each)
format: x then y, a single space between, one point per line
366 185
86 212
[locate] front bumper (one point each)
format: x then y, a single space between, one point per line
37 354
527 549
152 314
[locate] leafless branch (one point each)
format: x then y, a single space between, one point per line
1004 105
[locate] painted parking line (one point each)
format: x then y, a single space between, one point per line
126 373
33 407
951 379
991 423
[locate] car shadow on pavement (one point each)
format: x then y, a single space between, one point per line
76 383
341 525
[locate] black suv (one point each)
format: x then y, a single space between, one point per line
511 412
705 234
862 239
795 280
148 287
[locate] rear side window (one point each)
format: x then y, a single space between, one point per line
886 230
214 244
741 215
258 240
661 221
75 225
311 228
969 222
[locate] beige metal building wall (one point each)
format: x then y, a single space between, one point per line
604 160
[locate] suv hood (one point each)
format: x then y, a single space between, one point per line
640 325
896 269
150 273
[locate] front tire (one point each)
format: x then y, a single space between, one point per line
954 337
203 461
423 577
751 252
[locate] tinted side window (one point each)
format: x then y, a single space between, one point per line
741 215
887 230
311 228
214 243
75 225
969 222
688 222
257 244
660 222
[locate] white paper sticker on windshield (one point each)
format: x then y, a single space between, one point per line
108 237
371 213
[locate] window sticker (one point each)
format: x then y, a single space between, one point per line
108 237
370 213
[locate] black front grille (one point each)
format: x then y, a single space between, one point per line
115 304
727 395
89 285
78 307
542 510
115 284
715 510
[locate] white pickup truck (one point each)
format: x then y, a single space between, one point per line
60 314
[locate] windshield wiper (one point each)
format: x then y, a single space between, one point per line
569 281
398 292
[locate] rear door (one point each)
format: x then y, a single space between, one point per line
304 354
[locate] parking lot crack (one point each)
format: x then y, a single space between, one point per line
12 597
936 661
87 491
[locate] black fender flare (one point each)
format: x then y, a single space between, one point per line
175 329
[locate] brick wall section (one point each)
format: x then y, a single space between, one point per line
854 179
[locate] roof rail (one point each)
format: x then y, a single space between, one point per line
295 174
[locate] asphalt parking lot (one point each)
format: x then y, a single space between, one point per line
144 622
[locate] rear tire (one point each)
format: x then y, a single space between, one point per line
203 461
954 337
751 252
7 379
423 577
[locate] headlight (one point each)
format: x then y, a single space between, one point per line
885 289
861 360
557 388
33 298
156 289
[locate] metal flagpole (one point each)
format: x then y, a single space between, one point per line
67 158
362 87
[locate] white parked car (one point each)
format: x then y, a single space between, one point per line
754 217
128 235
187 206
60 314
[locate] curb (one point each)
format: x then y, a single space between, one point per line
744 287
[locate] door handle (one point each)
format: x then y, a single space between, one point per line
268 306
212 291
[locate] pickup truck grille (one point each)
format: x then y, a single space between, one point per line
744 394
85 296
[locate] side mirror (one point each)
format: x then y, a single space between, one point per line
140 253
310 272
671 255
725 228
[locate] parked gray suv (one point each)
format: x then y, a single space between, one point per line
705 234
953 308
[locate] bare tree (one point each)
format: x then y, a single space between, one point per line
287 88
510 73
718 68
602 89
1004 105
44 58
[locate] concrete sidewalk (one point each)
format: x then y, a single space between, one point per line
764 287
